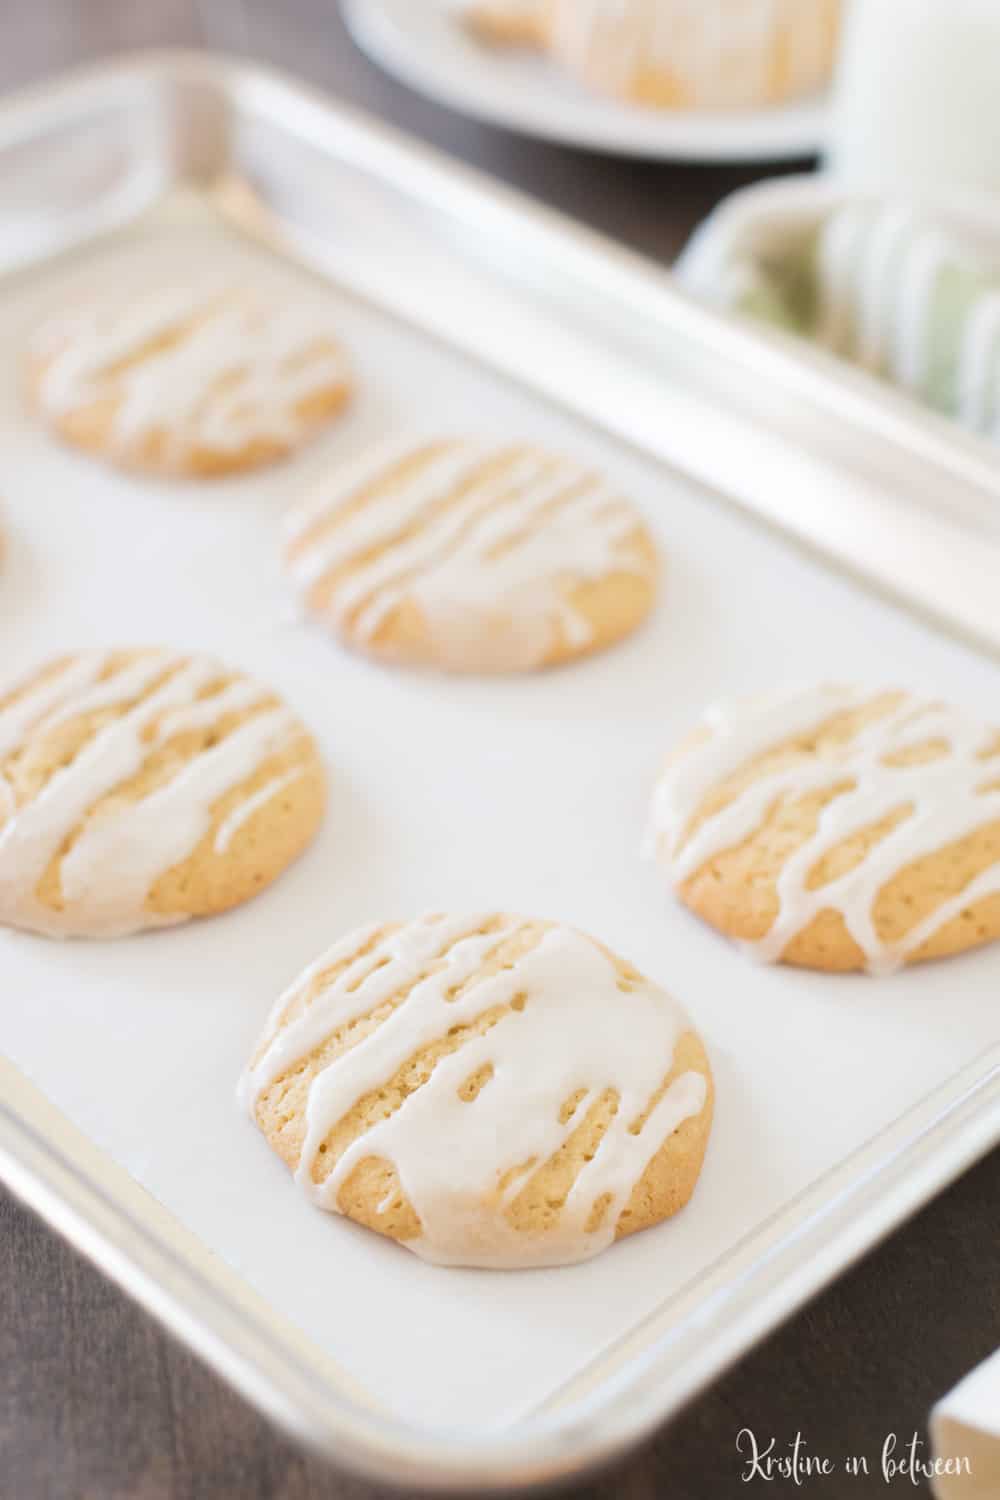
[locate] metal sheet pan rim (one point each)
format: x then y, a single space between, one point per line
829 1229
817 1237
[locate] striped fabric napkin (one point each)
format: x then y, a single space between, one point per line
889 286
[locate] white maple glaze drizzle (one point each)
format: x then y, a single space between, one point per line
946 795
878 271
696 41
237 373
503 548
244 811
577 1031
115 858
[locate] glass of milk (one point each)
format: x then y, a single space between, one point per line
918 95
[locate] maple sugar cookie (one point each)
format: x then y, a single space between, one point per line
837 828
140 788
470 557
488 1091
676 54
697 54
185 380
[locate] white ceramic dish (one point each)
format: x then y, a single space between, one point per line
422 43
772 218
768 216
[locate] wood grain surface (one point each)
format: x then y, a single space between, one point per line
95 1402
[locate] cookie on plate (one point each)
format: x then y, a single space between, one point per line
837 828
697 54
508 23
487 1090
140 788
187 380
677 54
471 557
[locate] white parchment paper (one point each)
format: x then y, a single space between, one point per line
527 794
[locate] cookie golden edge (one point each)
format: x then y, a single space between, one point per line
736 891
267 844
88 432
664 1188
207 882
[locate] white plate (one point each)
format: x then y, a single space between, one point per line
420 42
766 217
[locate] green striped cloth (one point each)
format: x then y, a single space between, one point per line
894 293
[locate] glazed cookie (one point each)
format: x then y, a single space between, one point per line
678 54
188 380
837 828
140 788
489 1091
469 557
508 23
697 54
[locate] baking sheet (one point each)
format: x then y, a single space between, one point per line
528 794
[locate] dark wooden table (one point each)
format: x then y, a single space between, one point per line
95 1402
